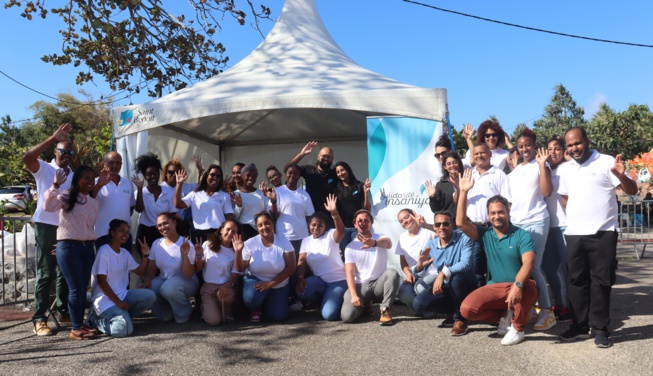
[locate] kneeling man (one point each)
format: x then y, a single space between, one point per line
510 253
368 277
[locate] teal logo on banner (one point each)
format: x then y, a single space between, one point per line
393 143
126 117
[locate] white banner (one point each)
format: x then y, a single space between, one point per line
400 154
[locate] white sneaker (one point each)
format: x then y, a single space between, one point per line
504 323
546 321
513 337
297 306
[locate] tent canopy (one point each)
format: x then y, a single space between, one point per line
297 85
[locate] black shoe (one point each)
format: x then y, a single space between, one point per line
602 341
574 333
448 321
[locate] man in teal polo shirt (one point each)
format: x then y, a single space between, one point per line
510 253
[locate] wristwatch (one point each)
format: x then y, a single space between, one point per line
518 284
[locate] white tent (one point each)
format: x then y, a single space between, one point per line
296 86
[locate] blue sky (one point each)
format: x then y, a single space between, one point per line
488 69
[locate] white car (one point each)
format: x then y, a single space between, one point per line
15 197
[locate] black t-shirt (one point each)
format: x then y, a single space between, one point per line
318 185
350 200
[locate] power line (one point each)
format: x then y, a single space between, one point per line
528 27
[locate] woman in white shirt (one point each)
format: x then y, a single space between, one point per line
215 260
321 252
411 243
530 183
114 305
209 205
151 199
248 200
174 257
491 134
268 260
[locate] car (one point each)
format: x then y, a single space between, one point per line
15 197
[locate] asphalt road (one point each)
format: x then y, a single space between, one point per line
309 346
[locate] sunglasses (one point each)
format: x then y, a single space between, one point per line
488 135
438 224
66 151
438 155
171 172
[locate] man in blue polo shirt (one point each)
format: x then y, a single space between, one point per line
448 279
510 253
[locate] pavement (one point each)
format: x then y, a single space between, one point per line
305 344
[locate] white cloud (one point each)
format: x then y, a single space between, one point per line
593 106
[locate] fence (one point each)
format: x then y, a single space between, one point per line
636 228
18 261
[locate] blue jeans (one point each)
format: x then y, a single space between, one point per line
539 232
75 260
329 294
407 293
454 292
273 301
172 298
350 234
555 265
116 322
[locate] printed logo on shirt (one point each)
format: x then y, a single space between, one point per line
329 181
126 191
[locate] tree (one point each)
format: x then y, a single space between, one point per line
560 114
520 127
627 133
459 142
139 40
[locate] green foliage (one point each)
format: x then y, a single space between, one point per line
131 40
627 133
459 142
91 135
520 127
560 114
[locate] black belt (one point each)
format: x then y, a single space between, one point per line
82 242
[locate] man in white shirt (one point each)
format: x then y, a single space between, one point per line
46 223
368 277
588 186
488 182
116 200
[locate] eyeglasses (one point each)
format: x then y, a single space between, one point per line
438 155
171 172
488 135
438 224
66 151
216 176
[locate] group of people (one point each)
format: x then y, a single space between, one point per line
496 244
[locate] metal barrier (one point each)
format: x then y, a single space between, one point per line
18 265
636 228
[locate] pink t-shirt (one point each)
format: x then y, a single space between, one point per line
77 224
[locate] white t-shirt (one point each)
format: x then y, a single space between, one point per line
116 266
557 216
370 262
44 177
294 207
498 158
114 202
253 203
208 211
186 188
323 257
265 263
493 182
411 246
218 266
592 200
528 203
164 204
168 257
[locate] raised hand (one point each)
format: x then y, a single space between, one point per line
308 149
367 186
619 167
181 176
268 190
199 249
419 219
105 177
468 131
145 248
185 248
138 182
237 243
367 242
454 178
424 258
542 156
330 204
60 176
236 199
430 188
62 133
197 160
466 183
